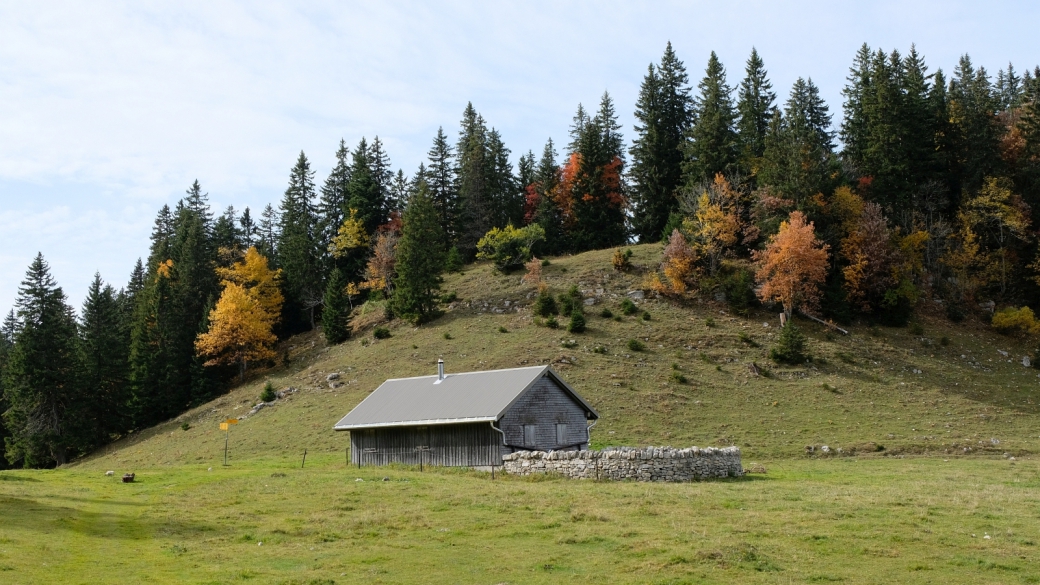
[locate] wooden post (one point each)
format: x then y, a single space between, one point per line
783 319
304 459
227 433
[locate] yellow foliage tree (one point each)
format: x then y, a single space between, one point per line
679 267
239 331
999 218
255 275
350 236
793 265
964 259
716 223
1013 320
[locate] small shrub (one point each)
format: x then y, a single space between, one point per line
635 345
740 292
846 357
606 313
746 339
415 346
448 335
916 329
577 324
502 329
552 323
453 263
381 333
646 315
675 366
709 322
628 307
509 247
790 347
622 260
267 394
599 349
545 304
569 343
365 342
450 297
570 302
545 262
678 377
944 341
830 389
1012 321
955 312
618 318
185 426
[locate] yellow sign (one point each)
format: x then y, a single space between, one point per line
232 421
223 426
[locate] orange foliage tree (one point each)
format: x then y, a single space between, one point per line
258 279
239 331
679 267
381 268
871 259
793 265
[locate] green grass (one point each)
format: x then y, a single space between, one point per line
847 520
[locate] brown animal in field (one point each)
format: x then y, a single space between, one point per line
127 478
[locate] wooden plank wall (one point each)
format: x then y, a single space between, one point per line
461 445
544 405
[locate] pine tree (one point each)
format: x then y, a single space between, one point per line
541 207
476 207
8 330
973 113
383 177
268 234
1008 89
663 114
333 205
754 108
799 146
712 148
105 354
507 201
248 229
43 376
335 323
227 238
400 190
442 181
364 192
298 255
420 260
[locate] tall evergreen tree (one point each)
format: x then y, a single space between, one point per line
298 256
754 108
400 190
383 176
8 330
663 114
227 235
712 147
476 208
1008 88
420 260
506 199
105 357
268 234
333 205
335 323
799 146
592 181
42 378
543 208
443 184
248 229
973 110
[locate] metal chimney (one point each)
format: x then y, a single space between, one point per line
440 370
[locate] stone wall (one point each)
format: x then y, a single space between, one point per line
649 464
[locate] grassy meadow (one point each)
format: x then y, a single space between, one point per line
937 426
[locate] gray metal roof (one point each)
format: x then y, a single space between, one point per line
459 398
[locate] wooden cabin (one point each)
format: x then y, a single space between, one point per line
469 419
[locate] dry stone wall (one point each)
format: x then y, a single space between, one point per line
649 464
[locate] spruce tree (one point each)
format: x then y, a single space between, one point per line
247 228
335 317
383 176
297 251
594 183
754 108
546 212
506 199
663 114
332 206
400 189
799 146
43 376
712 147
476 207
442 181
227 237
8 330
364 192
105 354
973 108
420 260
268 234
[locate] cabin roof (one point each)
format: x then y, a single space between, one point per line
458 398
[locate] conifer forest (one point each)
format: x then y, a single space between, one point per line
923 189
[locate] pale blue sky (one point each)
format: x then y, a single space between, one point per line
109 110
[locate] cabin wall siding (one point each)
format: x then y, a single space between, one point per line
544 405
458 445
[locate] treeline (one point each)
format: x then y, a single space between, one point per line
933 195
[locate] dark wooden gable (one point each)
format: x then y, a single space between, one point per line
534 421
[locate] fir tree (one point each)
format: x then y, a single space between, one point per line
441 179
799 146
542 208
105 354
8 330
383 177
267 233
226 235
364 192
420 260
43 376
754 108
506 199
663 114
335 318
973 109
712 147
592 186
333 205
400 190
476 207
248 229
298 256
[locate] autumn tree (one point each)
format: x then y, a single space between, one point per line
261 282
678 270
871 259
381 269
1000 219
793 265
716 221
239 331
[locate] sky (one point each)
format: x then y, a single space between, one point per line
110 110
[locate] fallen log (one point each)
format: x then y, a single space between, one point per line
822 322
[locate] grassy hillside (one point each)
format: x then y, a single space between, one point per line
886 391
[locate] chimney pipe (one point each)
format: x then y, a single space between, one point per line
440 370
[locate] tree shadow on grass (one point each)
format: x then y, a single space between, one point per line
34 515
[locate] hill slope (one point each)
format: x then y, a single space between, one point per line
877 390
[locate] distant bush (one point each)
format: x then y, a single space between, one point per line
552 323
646 315
545 305
746 339
577 324
622 261
509 247
185 426
944 341
606 313
678 377
916 328
628 307
545 262
1012 321
449 297
381 333
790 347
502 329
599 349
569 343
636 345
448 336
709 322
739 289
571 301
453 262
267 395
